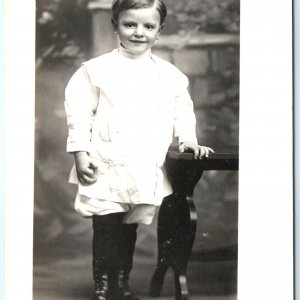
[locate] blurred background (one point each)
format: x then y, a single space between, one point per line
201 37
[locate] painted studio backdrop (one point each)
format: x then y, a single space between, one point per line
201 38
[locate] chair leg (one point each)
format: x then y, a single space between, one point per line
157 280
181 289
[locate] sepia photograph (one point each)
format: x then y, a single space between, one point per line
143 96
147 172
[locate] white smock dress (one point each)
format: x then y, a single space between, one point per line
123 112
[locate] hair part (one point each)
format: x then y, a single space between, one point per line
121 5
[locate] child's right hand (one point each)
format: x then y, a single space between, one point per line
85 168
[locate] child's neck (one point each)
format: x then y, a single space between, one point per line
131 55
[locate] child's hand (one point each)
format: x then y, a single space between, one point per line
199 151
85 168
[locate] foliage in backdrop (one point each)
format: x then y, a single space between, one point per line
62 29
205 16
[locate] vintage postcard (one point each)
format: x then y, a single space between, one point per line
148 144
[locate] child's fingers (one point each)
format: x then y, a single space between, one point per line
204 151
199 151
210 150
181 148
86 175
93 165
88 172
84 179
189 146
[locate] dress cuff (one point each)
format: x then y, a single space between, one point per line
75 147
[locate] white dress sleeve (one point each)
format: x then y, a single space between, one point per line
81 101
184 116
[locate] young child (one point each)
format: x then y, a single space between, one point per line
122 109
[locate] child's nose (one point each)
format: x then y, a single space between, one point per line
139 31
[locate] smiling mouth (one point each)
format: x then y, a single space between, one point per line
137 42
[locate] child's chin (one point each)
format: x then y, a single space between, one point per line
139 47
137 52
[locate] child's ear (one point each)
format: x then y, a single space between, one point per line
114 24
161 27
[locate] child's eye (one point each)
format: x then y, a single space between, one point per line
129 25
149 26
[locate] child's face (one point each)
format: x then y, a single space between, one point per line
138 29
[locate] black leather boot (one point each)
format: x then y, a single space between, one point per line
107 233
126 250
101 286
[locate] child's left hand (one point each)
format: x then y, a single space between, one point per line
199 151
